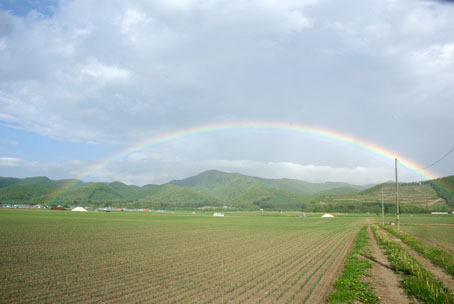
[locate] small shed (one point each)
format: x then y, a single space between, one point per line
218 214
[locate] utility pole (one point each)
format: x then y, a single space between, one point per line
397 199
382 209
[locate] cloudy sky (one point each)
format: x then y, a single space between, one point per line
83 81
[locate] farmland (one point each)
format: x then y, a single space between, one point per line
437 235
52 256
57 256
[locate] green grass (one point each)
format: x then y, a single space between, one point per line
437 255
350 287
417 280
424 219
437 235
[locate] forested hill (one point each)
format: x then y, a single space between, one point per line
233 190
248 191
445 188
210 188
425 196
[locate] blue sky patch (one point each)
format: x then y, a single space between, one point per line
24 7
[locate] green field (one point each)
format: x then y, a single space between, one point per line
58 256
436 230
434 234
61 256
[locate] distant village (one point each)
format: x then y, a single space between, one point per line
120 209
72 208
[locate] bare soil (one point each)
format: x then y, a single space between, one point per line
320 294
383 279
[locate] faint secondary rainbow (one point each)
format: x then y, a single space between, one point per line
264 126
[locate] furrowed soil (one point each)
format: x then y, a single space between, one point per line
65 257
383 279
321 292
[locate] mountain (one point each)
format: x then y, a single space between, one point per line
413 197
42 190
28 193
237 191
39 180
445 188
248 192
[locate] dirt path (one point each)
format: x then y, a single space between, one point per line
446 279
383 279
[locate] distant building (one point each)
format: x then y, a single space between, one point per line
218 214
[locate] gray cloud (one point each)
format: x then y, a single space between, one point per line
139 171
115 73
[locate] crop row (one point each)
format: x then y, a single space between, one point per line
127 265
72 274
233 275
204 272
174 261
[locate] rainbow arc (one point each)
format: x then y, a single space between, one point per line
335 136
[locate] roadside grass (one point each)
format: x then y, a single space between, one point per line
417 280
438 256
349 288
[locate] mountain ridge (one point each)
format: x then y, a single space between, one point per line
216 189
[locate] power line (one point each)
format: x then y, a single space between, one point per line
433 164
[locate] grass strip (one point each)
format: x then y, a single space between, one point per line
349 288
438 256
417 280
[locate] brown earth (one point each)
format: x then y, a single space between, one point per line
321 292
383 279
430 203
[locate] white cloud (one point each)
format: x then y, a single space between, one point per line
145 68
424 20
104 73
436 58
9 161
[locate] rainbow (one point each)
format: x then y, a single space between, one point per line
264 126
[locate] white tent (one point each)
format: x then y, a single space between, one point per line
327 215
80 209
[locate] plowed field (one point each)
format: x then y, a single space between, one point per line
54 256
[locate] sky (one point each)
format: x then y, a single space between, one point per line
89 88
